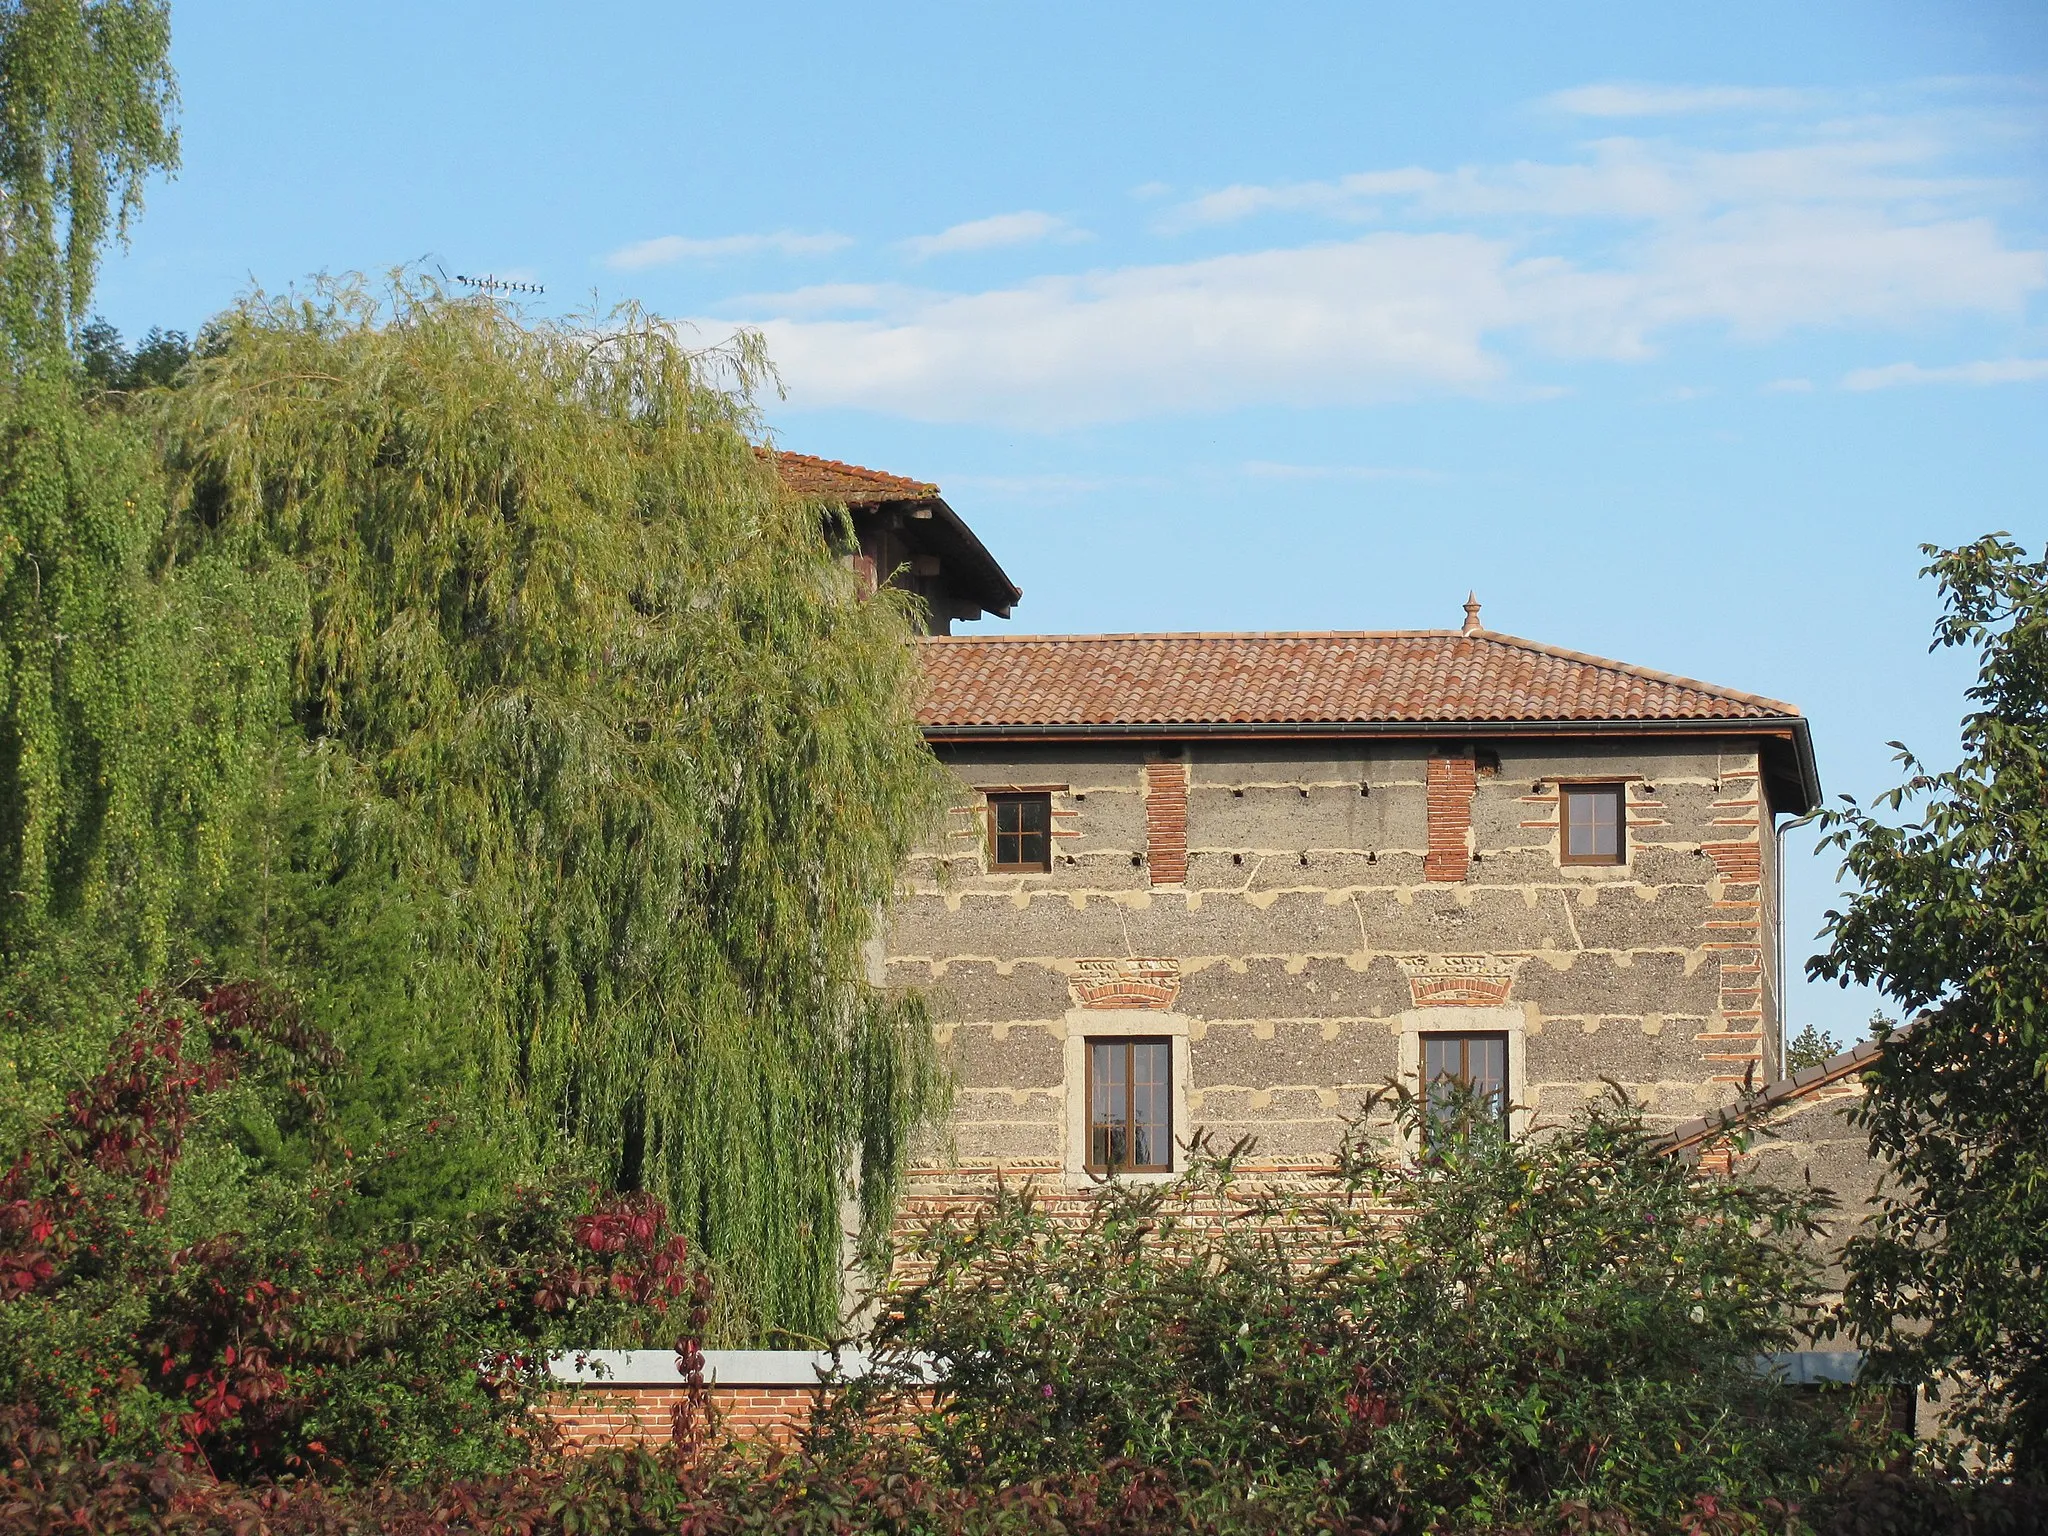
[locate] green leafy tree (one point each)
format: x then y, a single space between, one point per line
109 365
126 703
1810 1048
1950 921
87 99
618 732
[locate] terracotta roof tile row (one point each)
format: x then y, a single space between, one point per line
830 480
1694 1134
1394 677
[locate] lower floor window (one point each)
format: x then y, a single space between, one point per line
1130 1106
1464 1077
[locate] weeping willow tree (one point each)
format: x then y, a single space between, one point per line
130 706
617 722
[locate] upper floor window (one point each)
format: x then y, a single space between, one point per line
1020 833
1594 829
1130 1106
1464 1077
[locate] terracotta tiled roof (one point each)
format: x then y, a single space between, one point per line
830 480
1689 1138
1415 676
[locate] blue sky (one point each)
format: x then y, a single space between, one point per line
1673 330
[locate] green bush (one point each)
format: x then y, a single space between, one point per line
1511 1331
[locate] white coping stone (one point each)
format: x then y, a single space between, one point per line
722 1367
1807 1367
806 1368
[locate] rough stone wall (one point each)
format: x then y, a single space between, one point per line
1316 930
1811 1143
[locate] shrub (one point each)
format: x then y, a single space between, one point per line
282 1344
1516 1331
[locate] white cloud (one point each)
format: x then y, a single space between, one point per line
1384 316
1473 278
1624 179
1374 319
1001 229
1264 469
1346 197
666 250
1620 100
2008 370
830 298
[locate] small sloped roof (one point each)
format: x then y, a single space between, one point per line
1688 1139
831 480
974 572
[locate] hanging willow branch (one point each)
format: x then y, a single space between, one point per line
87 113
627 732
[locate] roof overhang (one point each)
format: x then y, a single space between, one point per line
1792 778
974 571
1688 1139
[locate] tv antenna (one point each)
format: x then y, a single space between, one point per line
488 284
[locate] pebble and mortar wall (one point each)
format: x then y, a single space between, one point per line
1316 919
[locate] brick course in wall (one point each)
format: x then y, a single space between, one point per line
595 1417
1734 1040
1166 821
1451 781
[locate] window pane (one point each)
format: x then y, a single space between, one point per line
1487 1070
1109 1105
1151 1106
1020 828
1593 822
1462 1074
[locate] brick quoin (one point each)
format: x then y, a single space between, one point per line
1734 1041
1451 782
1166 821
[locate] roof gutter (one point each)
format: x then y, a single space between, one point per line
1792 731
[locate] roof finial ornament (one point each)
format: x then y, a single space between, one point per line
1472 624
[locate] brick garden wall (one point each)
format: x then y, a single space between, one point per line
594 1417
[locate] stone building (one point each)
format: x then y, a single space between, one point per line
1236 881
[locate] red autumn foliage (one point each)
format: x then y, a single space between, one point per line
289 1349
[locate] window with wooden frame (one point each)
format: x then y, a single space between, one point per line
1595 824
1464 1077
1020 833
1130 1105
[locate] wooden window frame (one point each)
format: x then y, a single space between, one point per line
1465 1037
1619 790
1129 1043
999 798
